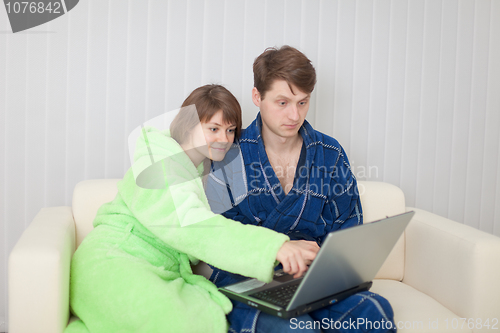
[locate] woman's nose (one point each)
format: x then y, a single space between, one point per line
222 136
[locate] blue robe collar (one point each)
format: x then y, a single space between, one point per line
253 133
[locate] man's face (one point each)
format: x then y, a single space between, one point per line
282 112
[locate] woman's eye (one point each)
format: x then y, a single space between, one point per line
230 130
213 129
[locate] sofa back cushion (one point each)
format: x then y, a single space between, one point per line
88 196
378 200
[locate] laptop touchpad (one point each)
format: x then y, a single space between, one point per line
282 277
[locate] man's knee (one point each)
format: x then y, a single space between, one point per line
372 313
365 311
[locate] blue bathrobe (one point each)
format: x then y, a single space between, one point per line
324 198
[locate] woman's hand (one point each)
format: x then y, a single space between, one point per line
295 256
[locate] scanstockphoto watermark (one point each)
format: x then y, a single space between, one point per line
330 324
430 324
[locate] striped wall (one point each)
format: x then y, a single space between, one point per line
411 89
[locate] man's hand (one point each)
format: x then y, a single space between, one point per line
295 256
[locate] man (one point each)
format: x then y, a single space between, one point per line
296 181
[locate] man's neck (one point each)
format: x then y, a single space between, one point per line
277 144
283 154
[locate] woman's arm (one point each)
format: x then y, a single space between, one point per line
179 215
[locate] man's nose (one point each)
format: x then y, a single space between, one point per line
293 113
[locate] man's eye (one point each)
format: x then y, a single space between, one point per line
213 129
282 103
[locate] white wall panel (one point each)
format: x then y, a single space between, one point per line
15 131
327 46
408 87
234 48
490 203
176 66
96 73
214 53
461 115
376 114
292 26
445 106
196 25
479 82
15 143
309 25
117 157
413 98
344 58
396 92
274 21
35 118
363 43
76 101
156 59
137 46
54 112
254 39
428 110
3 175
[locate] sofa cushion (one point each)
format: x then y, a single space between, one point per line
415 311
455 263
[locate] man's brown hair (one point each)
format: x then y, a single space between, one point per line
208 99
286 63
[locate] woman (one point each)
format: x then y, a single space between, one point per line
132 272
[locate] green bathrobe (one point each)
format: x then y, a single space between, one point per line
132 273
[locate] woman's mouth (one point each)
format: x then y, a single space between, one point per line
219 148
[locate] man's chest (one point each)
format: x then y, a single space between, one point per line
284 167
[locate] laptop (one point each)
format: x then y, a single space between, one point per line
346 264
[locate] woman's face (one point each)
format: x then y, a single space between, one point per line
211 139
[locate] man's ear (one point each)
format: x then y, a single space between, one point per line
256 97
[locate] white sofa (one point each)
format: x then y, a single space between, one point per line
441 276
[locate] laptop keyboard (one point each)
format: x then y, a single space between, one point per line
280 295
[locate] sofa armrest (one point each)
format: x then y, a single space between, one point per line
39 267
457 265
